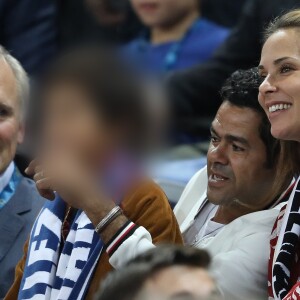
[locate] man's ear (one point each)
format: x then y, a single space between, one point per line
21 133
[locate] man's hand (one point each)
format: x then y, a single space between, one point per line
77 187
72 182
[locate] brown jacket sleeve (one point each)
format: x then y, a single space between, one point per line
147 206
14 290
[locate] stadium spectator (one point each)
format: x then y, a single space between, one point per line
230 206
279 96
113 21
165 272
93 123
177 36
19 200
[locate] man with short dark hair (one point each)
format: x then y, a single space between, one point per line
165 272
228 207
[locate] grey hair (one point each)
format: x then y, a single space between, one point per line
22 79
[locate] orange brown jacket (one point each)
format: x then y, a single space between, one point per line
146 206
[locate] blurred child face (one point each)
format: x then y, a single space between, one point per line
163 13
73 125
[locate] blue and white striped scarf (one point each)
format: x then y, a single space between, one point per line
51 273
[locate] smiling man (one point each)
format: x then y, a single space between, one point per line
228 208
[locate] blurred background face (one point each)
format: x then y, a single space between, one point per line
72 124
236 157
11 128
163 13
280 92
176 281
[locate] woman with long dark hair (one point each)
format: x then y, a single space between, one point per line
280 97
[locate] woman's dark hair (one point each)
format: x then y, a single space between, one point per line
127 283
288 162
113 88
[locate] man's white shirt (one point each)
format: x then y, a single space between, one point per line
240 250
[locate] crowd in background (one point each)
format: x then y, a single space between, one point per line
149 149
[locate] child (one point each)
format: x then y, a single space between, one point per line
178 37
93 128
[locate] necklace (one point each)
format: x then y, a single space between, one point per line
206 236
203 230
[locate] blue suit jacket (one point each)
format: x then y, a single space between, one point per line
28 29
16 219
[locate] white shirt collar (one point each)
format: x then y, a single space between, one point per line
6 176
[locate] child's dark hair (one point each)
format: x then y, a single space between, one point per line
114 89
